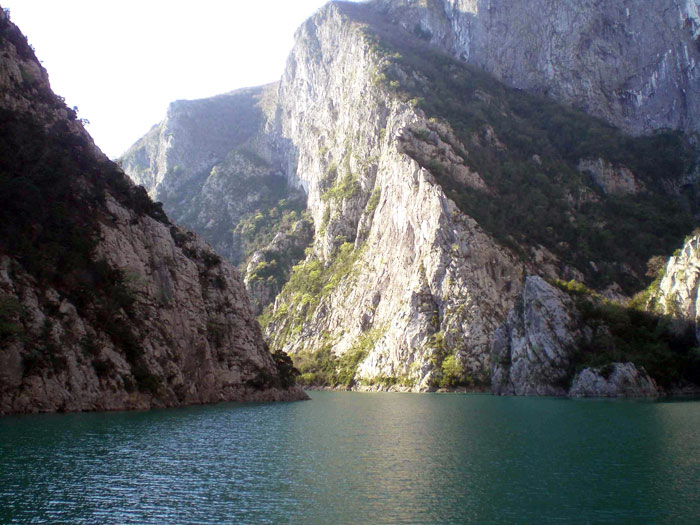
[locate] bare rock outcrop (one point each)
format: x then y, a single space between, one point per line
678 292
104 304
613 180
635 66
531 353
615 380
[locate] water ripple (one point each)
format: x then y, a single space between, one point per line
351 457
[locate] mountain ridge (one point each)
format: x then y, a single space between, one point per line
104 303
421 174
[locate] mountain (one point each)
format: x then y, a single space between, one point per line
104 303
634 65
216 170
479 199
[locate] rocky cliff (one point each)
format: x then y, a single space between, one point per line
565 339
435 189
431 202
633 64
216 169
211 165
677 290
104 304
550 341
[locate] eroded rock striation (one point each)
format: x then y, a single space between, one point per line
538 350
105 304
634 65
532 352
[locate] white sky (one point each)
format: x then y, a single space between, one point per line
122 62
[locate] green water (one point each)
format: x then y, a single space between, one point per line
358 458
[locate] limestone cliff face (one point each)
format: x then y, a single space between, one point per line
633 64
407 275
212 166
194 136
434 189
678 292
618 380
104 304
220 172
532 351
402 279
536 352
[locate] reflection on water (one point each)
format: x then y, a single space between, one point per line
353 457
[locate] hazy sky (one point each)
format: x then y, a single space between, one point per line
122 62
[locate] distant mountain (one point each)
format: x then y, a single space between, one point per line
215 169
104 303
483 179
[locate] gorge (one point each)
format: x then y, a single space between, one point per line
422 169
441 197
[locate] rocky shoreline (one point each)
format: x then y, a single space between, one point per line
681 392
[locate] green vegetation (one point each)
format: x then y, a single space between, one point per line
210 259
656 269
309 282
342 189
664 346
216 332
373 201
439 351
43 353
256 230
549 202
277 266
145 380
323 368
453 374
287 373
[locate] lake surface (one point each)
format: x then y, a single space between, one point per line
358 458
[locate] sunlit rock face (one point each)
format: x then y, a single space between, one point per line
104 303
678 292
631 64
421 275
407 278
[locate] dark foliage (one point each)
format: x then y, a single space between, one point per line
10 312
666 347
210 259
285 368
547 203
52 191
